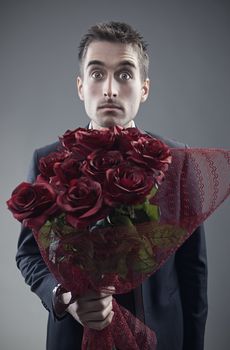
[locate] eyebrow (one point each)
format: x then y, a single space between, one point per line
121 64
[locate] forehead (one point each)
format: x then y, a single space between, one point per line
110 54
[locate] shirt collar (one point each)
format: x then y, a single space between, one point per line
131 126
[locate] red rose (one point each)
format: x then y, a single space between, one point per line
82 202
99 161
150 153
127 185
46 164
33 203
91 139
67 170
126 137
57 185
131 134
68 140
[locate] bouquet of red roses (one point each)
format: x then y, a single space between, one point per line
110 206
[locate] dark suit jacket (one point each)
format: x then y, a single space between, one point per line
174 299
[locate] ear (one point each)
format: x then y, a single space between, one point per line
80 88
145 90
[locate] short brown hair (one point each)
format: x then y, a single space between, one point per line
116 32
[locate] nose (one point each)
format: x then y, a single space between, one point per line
110 87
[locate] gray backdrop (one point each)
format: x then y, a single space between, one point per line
189 101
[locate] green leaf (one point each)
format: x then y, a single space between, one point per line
122 268
145 262
44 238
152 192
146 212
120 220
152 211
61 228
166 236
140 206
121 210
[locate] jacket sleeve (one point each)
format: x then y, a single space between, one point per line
29 260
191 261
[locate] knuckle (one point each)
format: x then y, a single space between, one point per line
103 314
102 303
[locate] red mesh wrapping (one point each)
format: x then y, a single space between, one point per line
125 332
197 182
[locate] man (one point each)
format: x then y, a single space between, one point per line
113 82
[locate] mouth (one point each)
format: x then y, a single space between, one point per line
110 106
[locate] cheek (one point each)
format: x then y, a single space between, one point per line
134 95
126 90
134 102
132 91
91 96
93 90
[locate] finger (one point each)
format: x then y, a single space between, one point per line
94 299
108 290
72 310
99 325
97 316
86 306
90 295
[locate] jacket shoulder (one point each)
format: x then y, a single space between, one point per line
37 154
45 150
170 142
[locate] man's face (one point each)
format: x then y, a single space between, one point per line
111 86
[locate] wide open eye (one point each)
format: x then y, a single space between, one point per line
97 75
125 76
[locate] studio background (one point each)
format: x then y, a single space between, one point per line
189 48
